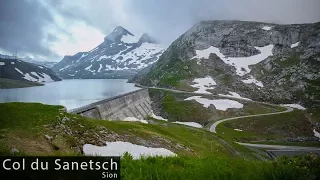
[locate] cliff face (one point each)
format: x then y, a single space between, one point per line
266 62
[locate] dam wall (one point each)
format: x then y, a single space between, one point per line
133 104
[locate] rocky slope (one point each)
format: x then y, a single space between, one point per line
261 61
121 55
20 70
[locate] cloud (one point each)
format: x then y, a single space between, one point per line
21 26
49 29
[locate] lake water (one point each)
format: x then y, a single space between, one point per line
69 93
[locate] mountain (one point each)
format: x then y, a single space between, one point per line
15 69
261 61
121 55
48 64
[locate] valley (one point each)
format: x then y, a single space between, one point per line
239 96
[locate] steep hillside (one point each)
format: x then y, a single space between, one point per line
10 83
261 61
20 70
121 55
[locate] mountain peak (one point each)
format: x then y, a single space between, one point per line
117 33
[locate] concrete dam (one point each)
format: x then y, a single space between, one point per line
133 104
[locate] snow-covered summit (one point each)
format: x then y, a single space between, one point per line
121 55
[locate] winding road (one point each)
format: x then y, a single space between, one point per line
214 125
279 147
276 150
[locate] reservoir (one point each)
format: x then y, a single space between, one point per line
71 93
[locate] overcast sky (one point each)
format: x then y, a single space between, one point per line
50 29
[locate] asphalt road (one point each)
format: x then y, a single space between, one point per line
214 125
280 147
272 150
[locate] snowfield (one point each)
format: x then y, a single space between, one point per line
192 124
235 95
239 63
88 68
100 67
138 56
19 71
252 80
133 119
40 78
118 148
203 84
2 63
204 53
158 117
219 104
295 45
316 134
266 28
297 106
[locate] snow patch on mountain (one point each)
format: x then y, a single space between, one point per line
252 80
220 104
266 28
203 84
192 124
234 95
2 63
118 148
316 134
205 53
158 117
240 63
88 68
39 78
297 106
295 45
19 71
133 119
100 67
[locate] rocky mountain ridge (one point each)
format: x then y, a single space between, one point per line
261 61
120 55
20 70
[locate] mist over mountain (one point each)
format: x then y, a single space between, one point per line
121 55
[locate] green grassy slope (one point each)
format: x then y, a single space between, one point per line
24 126
10 83
284 128
216 168
177 109
200 156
